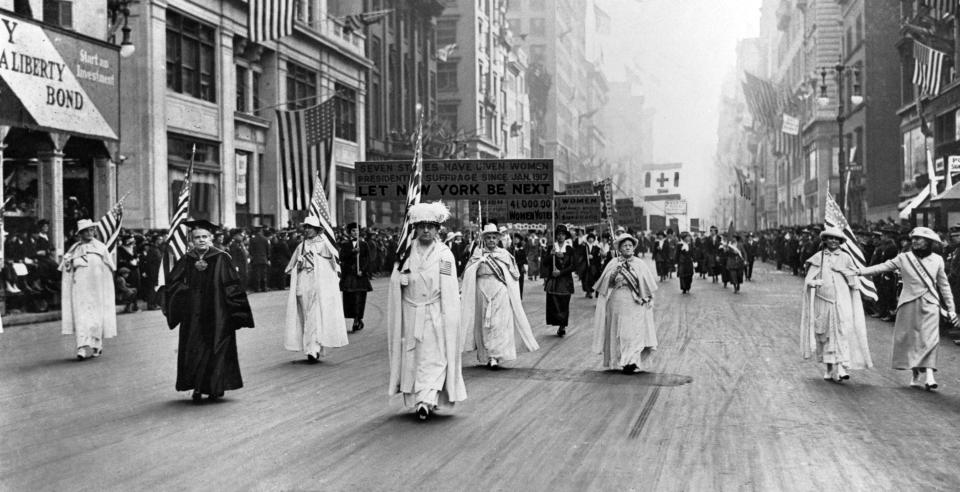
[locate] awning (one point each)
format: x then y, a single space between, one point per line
58 81
906 207
951 194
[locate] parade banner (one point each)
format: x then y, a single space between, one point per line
578 209
459 179
580 188
675 207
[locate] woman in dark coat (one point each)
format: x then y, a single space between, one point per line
556 268
735 261
685 253
355 276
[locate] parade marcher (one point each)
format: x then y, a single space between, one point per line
925 297
750 254
734 263
315 318
832 325
712 246
556 268
685 255
624 329
532 246
660 255
492 316
591 267
259 261
424 339
886 282
88 304
355 279
518 248
239 255
205 298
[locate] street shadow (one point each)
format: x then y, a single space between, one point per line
412 420
51 364
597 377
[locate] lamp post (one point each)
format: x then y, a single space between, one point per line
856 99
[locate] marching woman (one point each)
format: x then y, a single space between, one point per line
925 297
734 262
624 330
491 315
832 325
89 302
556 268
685 257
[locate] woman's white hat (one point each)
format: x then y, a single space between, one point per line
490 229
84 224
833 232
926 233
433 213
624 237
312 221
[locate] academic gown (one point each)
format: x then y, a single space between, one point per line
208 306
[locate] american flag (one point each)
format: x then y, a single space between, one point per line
270 19
306 143
319 208
927 68
833 217
761 99
176 243
413 196
109 225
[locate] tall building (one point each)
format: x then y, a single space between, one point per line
554 32
402 47
473 84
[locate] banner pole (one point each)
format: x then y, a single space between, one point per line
553 223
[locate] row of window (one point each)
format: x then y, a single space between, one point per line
191 69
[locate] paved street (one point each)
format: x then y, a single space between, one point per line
728 405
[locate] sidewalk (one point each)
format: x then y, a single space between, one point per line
31 318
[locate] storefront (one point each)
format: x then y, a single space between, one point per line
59 128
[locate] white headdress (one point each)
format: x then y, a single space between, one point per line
435 212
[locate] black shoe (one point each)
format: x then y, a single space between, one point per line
215 397
312 358
629 368
196 396
422 412
561 331
358 325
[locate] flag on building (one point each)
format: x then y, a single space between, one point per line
761 99
405 243
109 225
940 9
927 68
446 51
320 208
356 22
306 151
833 217
270 19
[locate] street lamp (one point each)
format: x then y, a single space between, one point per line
856 99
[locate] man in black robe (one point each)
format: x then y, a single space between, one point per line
355 276
204 296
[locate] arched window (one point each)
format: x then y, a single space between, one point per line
676 179
646 180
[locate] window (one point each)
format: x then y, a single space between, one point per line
858 30
448 116
241 89
375 111
375 52
538 27
812 163
301 87
191 62
205 181
446 32
304 11
58 13
256 92
346 104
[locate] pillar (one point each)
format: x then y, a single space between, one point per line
104 186
50 199
3 291
253 187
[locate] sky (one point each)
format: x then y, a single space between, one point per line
684 49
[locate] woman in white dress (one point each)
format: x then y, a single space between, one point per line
624 330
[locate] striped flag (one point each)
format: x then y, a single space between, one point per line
833 217
320 208
109 225
927 68
176 243
761 99
405 243
940 9
306 143
270 19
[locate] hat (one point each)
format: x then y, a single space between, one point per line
456 235
490 229
312 221
713 228
561 229
123 270
352 225
431 213
624 237
202 224
833 232
926 233
503 229
84 224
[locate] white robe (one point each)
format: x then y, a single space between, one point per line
314 305
492 314
89 303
